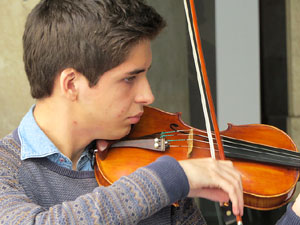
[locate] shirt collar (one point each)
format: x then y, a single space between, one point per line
28 131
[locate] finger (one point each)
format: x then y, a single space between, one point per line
214 194
229 180
214 174
235 194
234 177
231 170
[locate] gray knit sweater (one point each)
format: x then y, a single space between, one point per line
37 191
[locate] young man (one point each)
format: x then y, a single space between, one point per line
86 63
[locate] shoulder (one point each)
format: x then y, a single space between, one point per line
10 149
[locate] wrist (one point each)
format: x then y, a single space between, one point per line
172 177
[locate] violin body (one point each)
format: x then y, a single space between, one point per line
266 185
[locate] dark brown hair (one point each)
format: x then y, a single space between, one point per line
91 36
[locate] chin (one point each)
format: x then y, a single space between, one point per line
126 132
121 133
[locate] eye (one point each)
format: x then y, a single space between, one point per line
130 79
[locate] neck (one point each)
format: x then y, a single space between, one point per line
56 121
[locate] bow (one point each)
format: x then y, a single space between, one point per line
202 74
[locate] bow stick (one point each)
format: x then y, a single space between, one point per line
199 59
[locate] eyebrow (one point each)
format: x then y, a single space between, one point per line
137 71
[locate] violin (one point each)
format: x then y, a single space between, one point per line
265 156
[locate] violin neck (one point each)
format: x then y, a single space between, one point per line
237 149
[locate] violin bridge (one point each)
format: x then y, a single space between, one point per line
190 143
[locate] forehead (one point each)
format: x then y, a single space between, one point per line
139 56
139 59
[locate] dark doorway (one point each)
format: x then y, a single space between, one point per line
274 102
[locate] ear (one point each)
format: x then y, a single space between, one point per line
68 83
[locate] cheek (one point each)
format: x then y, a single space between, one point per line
121 107
113 112
121 113
116 104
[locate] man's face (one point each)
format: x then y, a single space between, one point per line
107 110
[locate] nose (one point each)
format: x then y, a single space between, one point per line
144 95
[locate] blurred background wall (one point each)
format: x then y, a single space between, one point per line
14 89
274 38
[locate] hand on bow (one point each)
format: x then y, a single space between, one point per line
216 180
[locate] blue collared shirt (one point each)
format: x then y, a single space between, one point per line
35 144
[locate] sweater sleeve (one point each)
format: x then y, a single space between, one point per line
127 201
289 217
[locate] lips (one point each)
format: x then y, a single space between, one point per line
135 119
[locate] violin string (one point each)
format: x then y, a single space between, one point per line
245 153
247 146
242 145
274 160
228 139
239 148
